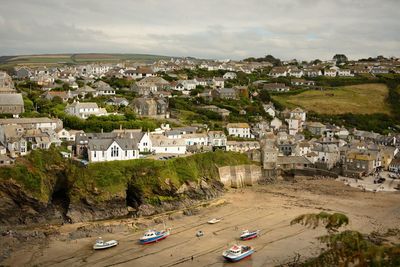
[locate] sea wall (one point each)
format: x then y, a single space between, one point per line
240 175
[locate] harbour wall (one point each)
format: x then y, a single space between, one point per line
240 176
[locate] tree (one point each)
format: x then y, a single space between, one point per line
264 96
340 58
316 62
348 248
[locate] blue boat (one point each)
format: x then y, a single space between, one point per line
237 253
152 236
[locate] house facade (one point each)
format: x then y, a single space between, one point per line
239 130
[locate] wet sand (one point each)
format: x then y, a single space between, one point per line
269 208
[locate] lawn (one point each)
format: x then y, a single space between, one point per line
357 99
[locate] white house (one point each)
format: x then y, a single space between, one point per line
276 123
196 139
344 72
229 76
218 82
85 109
278 72
216 138
188 84
296 73
298 112
242 146
239 130
64 135
100 150
270 109
303 148
164 145
330 72
294 125
142 139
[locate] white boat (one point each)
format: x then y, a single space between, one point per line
237 253
152 236
214 221
247 235
101 244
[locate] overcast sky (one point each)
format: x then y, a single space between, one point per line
302 29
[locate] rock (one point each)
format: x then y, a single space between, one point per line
146 210
182 189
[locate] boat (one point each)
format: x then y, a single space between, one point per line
199 233
152 236
237 253
247 235
101 244
214 221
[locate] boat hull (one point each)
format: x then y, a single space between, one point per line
239 258
249 237
104 247
152 240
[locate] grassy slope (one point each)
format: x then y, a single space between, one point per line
38 173
357 99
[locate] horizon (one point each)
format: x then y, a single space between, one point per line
196 58
305 30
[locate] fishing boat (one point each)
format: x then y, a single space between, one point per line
214 221
152 236
237 253
101 244
247 235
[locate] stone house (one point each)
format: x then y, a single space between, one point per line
151 107
11 104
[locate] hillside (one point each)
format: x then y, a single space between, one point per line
54 59
55 189
356 99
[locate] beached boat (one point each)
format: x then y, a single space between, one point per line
214 221
237 253
152 236
199 233
247 235
101 244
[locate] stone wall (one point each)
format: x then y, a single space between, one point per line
239 176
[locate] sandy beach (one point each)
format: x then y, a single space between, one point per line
269 208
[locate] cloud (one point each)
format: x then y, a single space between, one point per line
303 29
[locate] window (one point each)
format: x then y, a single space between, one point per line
94 154
126 153
114 151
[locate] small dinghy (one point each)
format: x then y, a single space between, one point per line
101 244
237 253
152 236
247 235
199 233
214 221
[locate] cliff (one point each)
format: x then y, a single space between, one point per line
45 188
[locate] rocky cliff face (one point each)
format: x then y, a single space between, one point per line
45 188
17 207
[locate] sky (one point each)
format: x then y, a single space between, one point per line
218 29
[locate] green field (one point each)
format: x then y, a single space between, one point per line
54 59
356 99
